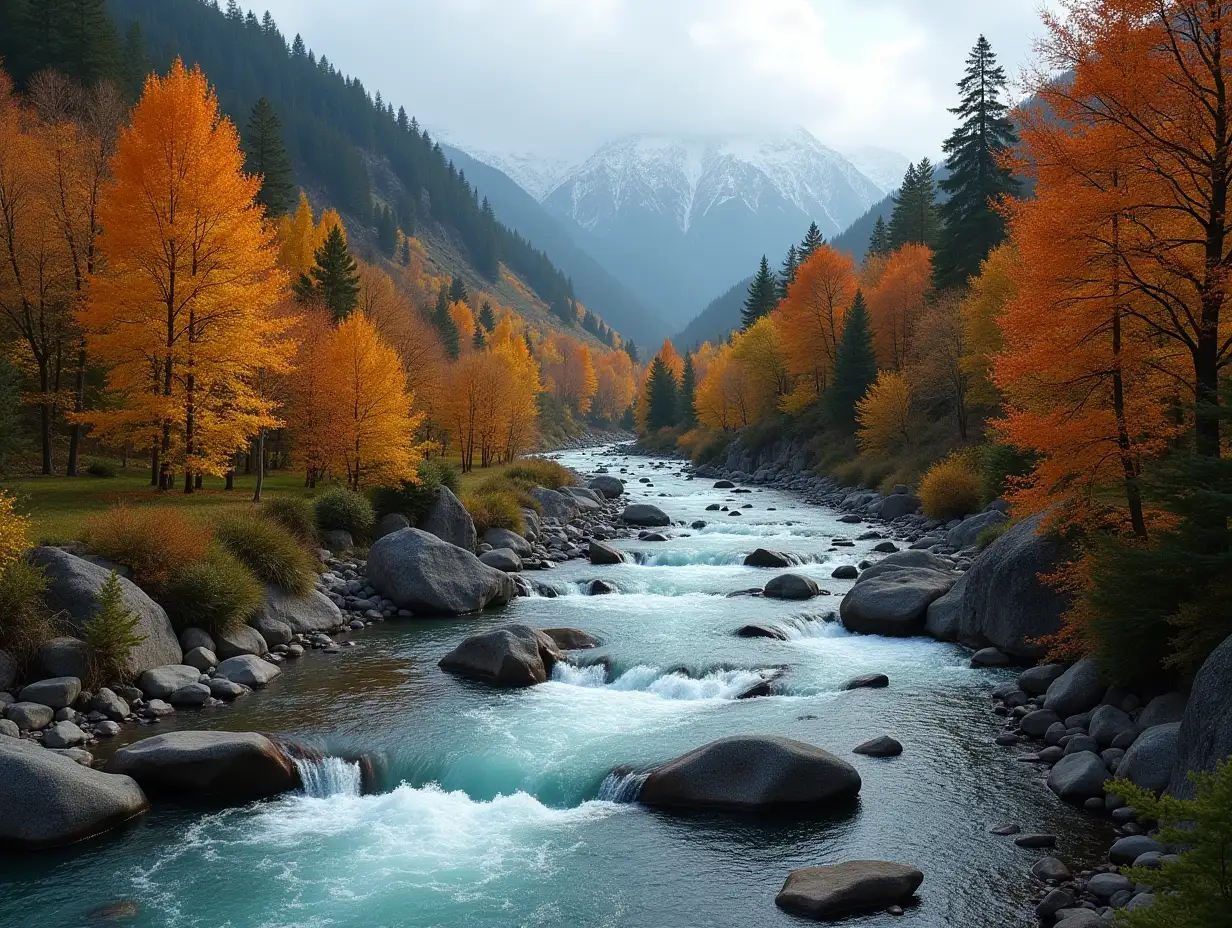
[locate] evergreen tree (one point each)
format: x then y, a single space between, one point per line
457 290
268 26
111 633
530 344
234 13
788 275
334 277
813 239
879 242
663 395
443 320
688 393
630 348
855 366
977 181
298 50
406 251
914 219
763 295
478 341
134 63
386 230
487 318
265 154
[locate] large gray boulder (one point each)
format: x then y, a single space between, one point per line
587 500
235 766
248 670
1106 723
1006 604
512 656
764 557
644 514
242 639
1148 762
420 572
196 638
315 612
1080 688
944 616
65 657
604 554
449 521
894 603
1078 777
1206 728
73 584
272 632
161 682
8 671
29 716
1034 681
505 559
389 523
49 800
849 888
964 534
792 586
58 692
608 486
555 505
504 538
898 505
1170 707
903 560
749 772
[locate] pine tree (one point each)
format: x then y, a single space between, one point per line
663 397
487 318
688 393
977 181
406 251
855 366
812 240
478 341
298 49
788 275
763 295
264 154
268 26
457 290
445 326
111 633
630 348
879 242
134 63
386 230
914 219
234 13
334 277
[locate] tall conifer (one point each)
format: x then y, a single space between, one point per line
265 154
662 397
813 239
334 277
763 295
855 365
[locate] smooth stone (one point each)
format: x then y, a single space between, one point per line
510 657
64 735
225 689
242 639
449 521
868 681
1128 849
194 694
1034 681
883 746
57 693
505 538
1106 885
791 587
247 670
236 766
9 729
65 657
603 554
1078 777
30 716
848 888
845 572
1049 868
161 682
201 659
1036 724
315 612
420 572
990 657
1162 710
1036 841
1149 760
643 514
1078 689
571 639
1054 902
1107 722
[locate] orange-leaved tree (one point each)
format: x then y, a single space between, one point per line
897 301
810 319
180 311
990 291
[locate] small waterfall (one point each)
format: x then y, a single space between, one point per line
622 787
590 675
329 776
810 626
674 684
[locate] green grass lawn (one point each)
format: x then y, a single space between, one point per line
59 506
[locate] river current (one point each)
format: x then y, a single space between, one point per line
496 808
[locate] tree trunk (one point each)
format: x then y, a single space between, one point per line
260 444
79 405
230 485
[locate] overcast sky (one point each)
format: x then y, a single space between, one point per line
560 77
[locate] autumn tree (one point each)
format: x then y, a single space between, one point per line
615 386
939 374
885 414
810 319
990 292
897 302
297 239
759 352
180 311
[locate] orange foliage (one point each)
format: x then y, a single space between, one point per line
810 319
614 385
896 301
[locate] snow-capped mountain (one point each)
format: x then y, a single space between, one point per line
537 174
883 167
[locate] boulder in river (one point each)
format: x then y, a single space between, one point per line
315 612
449 521
504 538
73 585
511 656
894 603
248 670
505 559
868 681
944 616
57 693
749 772
644 514
883 746
555 505
850 888
571 639
761 631
419 572
763 557
242 639
1005 603
1078 689
792 586
233 766
49 800
604 554
609 487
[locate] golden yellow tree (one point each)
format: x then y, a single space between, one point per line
810 319
991 292
181 310
896 301
297 239
884 414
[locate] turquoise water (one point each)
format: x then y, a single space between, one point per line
490 813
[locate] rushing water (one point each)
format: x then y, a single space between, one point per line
502 808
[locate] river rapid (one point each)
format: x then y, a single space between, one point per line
495 808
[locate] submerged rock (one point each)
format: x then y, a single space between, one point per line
849 888
750 772
235 766
763 557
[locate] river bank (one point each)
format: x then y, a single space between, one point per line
526 768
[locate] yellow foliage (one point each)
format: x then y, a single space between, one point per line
950 489
14 531
991 292
884 415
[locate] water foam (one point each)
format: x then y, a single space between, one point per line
324 777
622 787
674 685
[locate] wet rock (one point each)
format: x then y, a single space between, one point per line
505 559
511 656
419 572
990 657
1049 869
868 681
893 603
48 800
571 639
791 586
1035 842
849 888
885 547
1034 681
604 554
761 631
644 514
233 766
240 640
194 694
609 487
750 772
845 572
944 616
224 689
247 670
883 746
58 692
763 557
600 588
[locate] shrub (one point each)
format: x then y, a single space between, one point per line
494 509
216 593
539 472
999 465
415 500
1192 891
25 620
111 634
440 472
268 550
341 509
990 534
152 542
950 489
296 514
710 448
99 469
503 485
14 531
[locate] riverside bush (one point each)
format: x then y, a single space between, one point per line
950 489
152 542
267 549
296 514
415 500
494 509
539 472
111 634
340 509
216 593
25 620
1193 891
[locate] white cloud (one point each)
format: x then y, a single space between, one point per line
562 76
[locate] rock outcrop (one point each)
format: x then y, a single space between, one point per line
231 766
422 573
512 656
449 521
